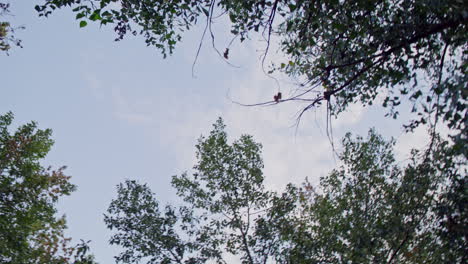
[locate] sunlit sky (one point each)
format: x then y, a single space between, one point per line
118 111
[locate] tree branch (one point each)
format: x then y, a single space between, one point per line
434 30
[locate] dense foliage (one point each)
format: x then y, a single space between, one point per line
342 52
30 230
369 210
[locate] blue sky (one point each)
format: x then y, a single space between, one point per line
119 111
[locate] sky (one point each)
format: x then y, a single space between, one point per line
118 111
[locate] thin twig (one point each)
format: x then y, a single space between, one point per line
208 19
213 37
436 105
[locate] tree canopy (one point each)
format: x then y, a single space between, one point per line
342 52
372 210
30 230
368 210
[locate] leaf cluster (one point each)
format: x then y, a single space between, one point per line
30 230
226 210
370 210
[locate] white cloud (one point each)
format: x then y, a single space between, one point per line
351 116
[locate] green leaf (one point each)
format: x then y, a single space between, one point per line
232 17
79 15
292 7
95 16
83 23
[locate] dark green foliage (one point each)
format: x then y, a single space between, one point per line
30 231
368 210
372 211
150 232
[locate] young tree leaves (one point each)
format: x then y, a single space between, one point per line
30 230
